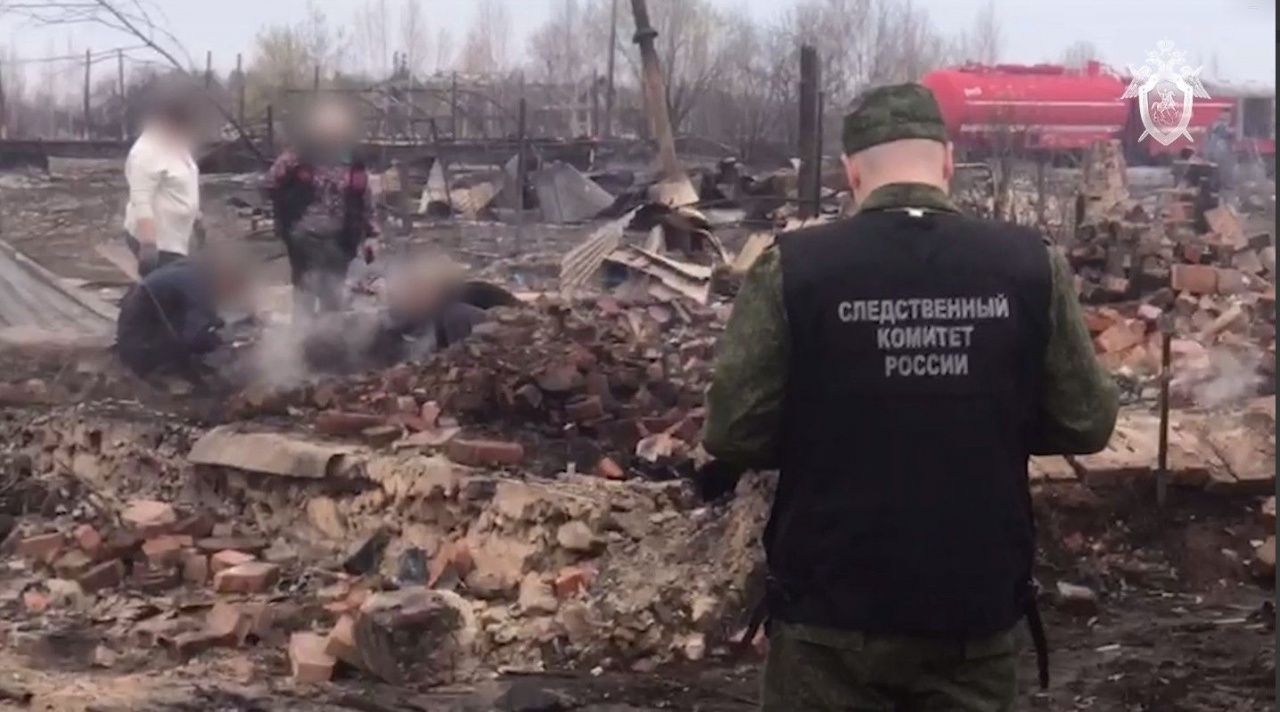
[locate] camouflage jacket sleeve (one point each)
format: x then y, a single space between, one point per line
744 405
1080 399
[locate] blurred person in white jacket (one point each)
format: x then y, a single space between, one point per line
164 184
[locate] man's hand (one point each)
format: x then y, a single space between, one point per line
716 479
148 257
198 235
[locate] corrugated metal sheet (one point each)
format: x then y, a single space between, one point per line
34 301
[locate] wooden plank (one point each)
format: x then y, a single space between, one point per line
1051 468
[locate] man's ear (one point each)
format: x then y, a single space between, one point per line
852 172
948 163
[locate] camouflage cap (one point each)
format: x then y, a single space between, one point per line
892 113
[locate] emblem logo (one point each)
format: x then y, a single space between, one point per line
1165 87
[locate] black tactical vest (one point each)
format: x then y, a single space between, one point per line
916 362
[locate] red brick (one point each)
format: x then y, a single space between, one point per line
452 555
308 660
41 547
149 518
214 544
88 539
188 645
479 453
1120 336
573 580
609 469
107 574
338 423
195 567
261 617
231 624
251 577
165 550
1197 279
341 643
228 558
1098 321
35 601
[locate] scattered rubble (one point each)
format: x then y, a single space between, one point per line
1182 257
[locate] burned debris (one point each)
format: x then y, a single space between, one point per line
473 472
1183 258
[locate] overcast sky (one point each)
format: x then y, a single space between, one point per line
1241 33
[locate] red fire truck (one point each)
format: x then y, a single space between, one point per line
1048 108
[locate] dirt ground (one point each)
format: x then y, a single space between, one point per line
1181 625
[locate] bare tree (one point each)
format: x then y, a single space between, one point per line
1078 54
413 37
692 50
139 19
373 37
485 48
444 49
285 56
982 43
553 53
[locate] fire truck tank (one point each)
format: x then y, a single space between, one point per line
1046 106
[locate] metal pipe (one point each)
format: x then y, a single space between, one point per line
1162 464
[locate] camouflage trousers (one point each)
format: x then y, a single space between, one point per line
813 669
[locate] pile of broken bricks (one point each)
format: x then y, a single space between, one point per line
1215 289
152 551
605 386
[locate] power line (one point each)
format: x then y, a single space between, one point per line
94 57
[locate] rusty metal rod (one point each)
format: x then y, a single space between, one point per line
1162 463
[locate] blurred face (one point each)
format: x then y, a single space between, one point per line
412 297
332 126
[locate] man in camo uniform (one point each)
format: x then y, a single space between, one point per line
898 368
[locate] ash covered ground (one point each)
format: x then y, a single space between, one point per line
508 524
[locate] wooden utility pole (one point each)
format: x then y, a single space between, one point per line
271 132
809 139
677 189
208 69
453 107
88 61
242 82
613 52
124 104
4 110
595 103
522 169
315 80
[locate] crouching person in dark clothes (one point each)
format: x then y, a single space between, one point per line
430 306
324 208
169 321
